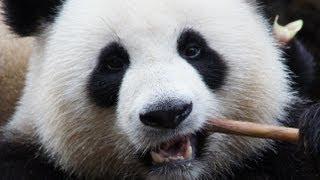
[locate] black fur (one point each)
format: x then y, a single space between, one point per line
25 162
208 63
310 131
302 64
287 162
25 17
105 81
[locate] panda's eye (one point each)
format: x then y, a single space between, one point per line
113 58
191 45
115 64
192 51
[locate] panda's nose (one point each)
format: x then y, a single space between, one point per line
167 115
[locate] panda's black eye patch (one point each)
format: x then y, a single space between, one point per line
105 80
113 58
192 46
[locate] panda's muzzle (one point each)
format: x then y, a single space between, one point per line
168 116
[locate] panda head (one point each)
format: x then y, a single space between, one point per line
125 88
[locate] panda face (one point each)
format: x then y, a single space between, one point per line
130 85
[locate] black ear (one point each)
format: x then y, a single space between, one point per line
25 17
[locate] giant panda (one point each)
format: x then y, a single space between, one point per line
124 89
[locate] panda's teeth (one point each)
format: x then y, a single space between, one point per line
157 157
188 153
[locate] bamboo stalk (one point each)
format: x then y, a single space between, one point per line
254 130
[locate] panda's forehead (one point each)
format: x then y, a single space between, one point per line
126 19
150 27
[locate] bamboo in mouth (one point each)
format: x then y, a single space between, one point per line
256 130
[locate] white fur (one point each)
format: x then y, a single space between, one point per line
91 141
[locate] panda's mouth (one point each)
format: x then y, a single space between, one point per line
180 149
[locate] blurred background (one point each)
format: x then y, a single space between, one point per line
309 12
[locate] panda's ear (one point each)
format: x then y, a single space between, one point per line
26 17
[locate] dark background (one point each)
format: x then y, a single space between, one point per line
309 12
